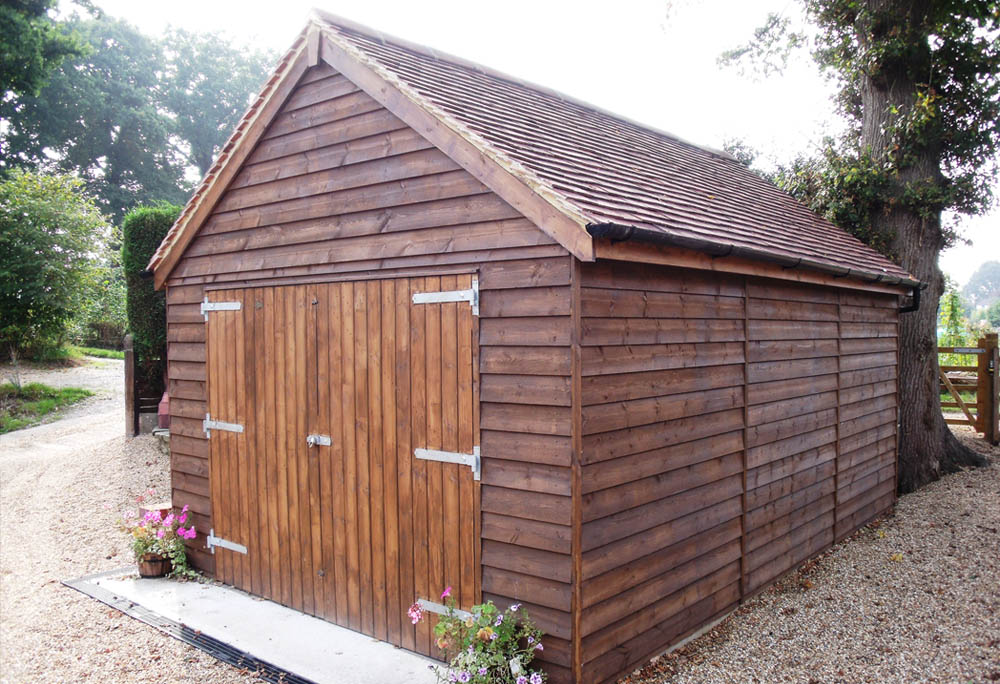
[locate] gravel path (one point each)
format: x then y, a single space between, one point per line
915 598
61 487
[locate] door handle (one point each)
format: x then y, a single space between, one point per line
321 440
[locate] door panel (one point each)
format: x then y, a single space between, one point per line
358 530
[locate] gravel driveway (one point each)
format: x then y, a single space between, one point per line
861 613
61 487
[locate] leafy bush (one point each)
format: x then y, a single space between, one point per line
51 234
142 232
490 646
100 319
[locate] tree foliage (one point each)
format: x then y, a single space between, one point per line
952 324
946 106
50 235
993 315
32 45
142 232
100 320
206 85
983 288
98 117
136 117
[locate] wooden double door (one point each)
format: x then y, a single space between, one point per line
353 527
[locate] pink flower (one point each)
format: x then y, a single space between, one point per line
182 518
169 520
539 647
416 613
446 593
191 533
160 532
185 509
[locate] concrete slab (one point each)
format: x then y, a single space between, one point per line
311 648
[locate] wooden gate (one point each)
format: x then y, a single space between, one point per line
345 393
983 412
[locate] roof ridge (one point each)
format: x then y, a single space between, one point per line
328 18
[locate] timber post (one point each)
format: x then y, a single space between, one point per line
988 409
131 409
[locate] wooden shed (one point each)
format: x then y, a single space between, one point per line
430 325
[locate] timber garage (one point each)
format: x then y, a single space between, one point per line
429 325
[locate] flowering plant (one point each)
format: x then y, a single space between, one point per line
154 533
488 646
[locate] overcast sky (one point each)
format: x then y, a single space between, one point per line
651 60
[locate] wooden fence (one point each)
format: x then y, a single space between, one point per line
982 413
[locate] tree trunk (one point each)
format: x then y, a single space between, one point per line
927 447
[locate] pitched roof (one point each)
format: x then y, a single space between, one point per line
602 171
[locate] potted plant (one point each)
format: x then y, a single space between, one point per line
490 646
158 543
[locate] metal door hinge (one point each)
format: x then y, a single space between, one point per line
207 306
431 607
471 296
472 460
208 425
212 541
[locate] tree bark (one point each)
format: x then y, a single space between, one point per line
927 447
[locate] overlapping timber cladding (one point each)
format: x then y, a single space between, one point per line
430 326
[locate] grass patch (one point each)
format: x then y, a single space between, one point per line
99 353
20 408
54 357
968 397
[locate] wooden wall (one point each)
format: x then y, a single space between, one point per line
340 189
732 428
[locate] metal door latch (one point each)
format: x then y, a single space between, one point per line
321 440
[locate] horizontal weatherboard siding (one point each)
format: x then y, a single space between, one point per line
731 428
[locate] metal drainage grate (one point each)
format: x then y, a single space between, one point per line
211 645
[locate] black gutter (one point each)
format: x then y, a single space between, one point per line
616 232
915 304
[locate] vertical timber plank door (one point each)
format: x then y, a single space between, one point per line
385 510
226 425
401 377
442 523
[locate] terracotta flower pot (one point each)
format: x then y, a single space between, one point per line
153 565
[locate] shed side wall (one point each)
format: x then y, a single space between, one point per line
338 188
733 427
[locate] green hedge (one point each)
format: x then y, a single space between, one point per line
143 229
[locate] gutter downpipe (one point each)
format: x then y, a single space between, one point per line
621 233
